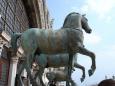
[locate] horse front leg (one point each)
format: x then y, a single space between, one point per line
67 83
70 68
84 51
71 64
73 83
28 69
39 74
83 70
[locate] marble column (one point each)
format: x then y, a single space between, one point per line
12 71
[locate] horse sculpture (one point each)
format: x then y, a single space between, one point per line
46 41
45 61
55 61
60 75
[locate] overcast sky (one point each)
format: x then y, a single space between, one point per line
101 18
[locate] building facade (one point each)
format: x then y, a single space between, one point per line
18 16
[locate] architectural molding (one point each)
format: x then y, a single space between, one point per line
2 43
5 36
37 13
14 60
5 40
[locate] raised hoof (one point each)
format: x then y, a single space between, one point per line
82 79
90 72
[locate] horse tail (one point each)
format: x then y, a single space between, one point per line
14 39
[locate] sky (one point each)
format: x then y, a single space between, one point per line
101 18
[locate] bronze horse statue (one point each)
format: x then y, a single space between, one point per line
55 61
46 41
60 75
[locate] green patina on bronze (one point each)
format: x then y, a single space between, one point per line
69 40
58 60
60 75
48 41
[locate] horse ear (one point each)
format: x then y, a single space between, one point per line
84 15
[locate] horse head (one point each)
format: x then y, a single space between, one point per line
75 20
85 25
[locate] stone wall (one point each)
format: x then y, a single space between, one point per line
17 16
13 16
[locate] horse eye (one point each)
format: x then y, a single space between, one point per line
86 19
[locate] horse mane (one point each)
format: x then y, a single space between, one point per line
66 19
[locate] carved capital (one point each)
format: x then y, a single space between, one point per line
2 43
5 36
14 60
5 40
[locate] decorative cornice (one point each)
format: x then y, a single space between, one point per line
6 41
14 59
5 36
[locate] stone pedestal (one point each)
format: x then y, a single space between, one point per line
12 71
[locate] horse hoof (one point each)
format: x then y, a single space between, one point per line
90 72
82 79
